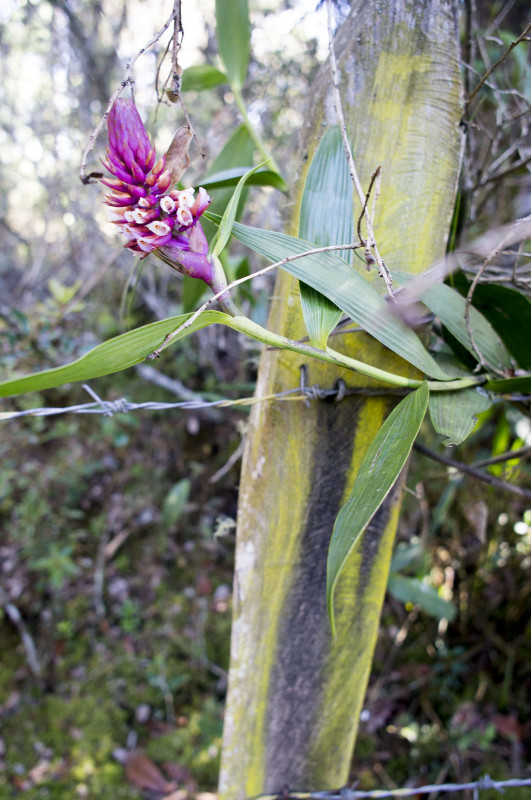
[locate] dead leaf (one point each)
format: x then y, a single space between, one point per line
509 727
143 772
177 158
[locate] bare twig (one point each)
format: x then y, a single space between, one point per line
126 81
522 452
15 616
473 472
234 458
362 214
264 271
466 257
521 38
490 257
371 241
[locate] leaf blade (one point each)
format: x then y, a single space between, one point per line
331 276
452 414
224 231
450 306
230 177
233 32
114 355
413 590
328 185
201 77
379 470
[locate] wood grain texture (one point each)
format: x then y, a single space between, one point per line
294 694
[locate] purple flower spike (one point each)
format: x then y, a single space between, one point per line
151 216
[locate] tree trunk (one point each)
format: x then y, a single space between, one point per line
295 694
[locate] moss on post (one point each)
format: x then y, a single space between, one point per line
295 694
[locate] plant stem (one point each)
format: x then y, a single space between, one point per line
331 356
255 136
256 331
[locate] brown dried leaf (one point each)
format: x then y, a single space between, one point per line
510 727
143 772
177 158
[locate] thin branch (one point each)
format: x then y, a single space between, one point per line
264 271
491 256
475 473
16 618
371 241
362 214
522 453
126 80
521 38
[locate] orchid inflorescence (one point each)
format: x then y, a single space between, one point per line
152 216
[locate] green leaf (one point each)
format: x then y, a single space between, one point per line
113 356
412 590
509 313
510 385
233 31
450 307
224 231
237 153
404 555
453 413
328 185
175 501
230 177
200 77
379 470
349 290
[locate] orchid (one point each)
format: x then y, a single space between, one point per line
151 215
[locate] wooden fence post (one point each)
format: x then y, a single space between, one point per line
295 694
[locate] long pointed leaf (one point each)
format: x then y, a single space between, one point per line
230 177
112 356
233 32
328 186
237 153
450 307
510 385
379 470
331 276
225 227
412 590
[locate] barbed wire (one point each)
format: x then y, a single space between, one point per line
123 406
482 784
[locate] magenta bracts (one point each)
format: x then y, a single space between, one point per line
149 213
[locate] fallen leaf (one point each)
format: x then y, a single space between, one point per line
143 772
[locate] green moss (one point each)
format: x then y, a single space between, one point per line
196 745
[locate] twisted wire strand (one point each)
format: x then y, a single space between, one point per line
122 406
483 783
